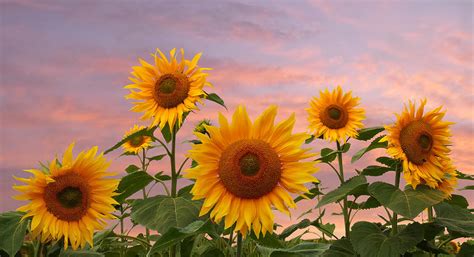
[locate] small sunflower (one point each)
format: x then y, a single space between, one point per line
421 142
168 88
334 115
136 143
71 201
244 168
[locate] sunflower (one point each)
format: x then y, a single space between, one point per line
168 88
244 168
421 142
334 115
136 143
71 200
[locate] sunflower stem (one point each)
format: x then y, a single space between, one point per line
239 244
144 168
394 217
39 249
174 175
347 222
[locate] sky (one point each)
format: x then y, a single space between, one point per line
64 65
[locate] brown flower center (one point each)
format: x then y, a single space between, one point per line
249 168
171 90
416 141
137 141
68 197
334 116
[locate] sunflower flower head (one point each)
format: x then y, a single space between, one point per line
168 88
136 143
244 168
335 115
421 141
71 201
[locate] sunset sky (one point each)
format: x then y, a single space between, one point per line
64 65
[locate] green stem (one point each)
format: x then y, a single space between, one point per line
174 175
239 244
347 222
141 241
394 217
39 249
144 168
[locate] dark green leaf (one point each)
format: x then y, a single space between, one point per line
342 191
375 170
79 253
132 183
12 232
408 203
289 230
166 132
467 250
269 240
369 240
374 145
464 176
175 235
346 147
157 157
370 203
309 139
142 132
132 168
216 99
162 213
368 133
467 188
431 230
390 162
340 248
305 249
327 155
162 177
458 200
455 218
325 228
313 192
186 191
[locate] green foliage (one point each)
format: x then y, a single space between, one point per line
370 241
143 132
292 228
455 218
132 183
305 249
408 203
327 155
340 248
213 97
80 253
162 213
345 189
373 145
368 133
374 170
12 232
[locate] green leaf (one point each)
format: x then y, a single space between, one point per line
162 177
369 240
431 230
327 155
464 176
132 168
374 170
175 235
166 132
467 250
325 228
289 230
455 218
458 200
132 183
309 139
142 132
12 232
340 248
346 147
269 240
374 145
467 188
305 249
161 213
216 99
342 191
370 203
157 157
368 133
313 192
408 203
79 253
390 162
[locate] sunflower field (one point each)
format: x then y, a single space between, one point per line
220 199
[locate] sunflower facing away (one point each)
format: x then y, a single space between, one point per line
168 88
136 143
244 168
70 201
421 142
335 115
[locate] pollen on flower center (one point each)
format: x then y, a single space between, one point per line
171 90
416 141
137 141
249 168
334 116
70 197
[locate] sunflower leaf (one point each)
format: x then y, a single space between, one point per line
455 218
370 241
327 155
216 99
345 189
368 133
408 203
141 132
13 232
79 253
340 248
373 145
132 183
374 170
305 249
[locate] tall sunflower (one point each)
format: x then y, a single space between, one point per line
244 168
335 115
421 142
168 88
70 201
136 143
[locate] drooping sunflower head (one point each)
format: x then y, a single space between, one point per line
243 169
71 200
335 115
421 141
168 88
136 143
